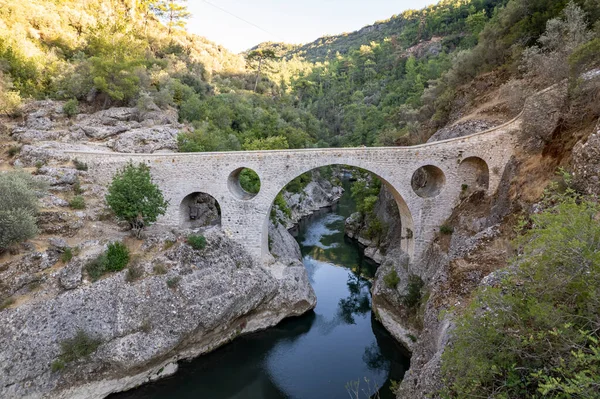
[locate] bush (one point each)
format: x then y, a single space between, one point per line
173 282
117 256
77 202
134 198
13 150
197 241
71 107
446 229
282 205
18 207
159 268
412 299
80 346
134 272
67 255
391 279
80 165
536 333
96 267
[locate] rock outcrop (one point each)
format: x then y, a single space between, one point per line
185 303
586 164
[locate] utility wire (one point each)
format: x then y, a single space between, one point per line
242 19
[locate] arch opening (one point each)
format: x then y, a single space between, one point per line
198 210
474 173
244 183
428 181
402 231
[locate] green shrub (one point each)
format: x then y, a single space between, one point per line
77 202
391 279
299 183
134 198
173 282
18 207
67 255
71 107
39 164
117 256
159 268
80 165
197 241
134 272
57 365
446 229
412 299
13 150
77 188
249 181
80 346
168 244
536 333
97 267
464 187
282 205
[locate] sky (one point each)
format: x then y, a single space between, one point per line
300 21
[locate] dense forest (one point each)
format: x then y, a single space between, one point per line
392 83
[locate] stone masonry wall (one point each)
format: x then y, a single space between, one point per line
245 218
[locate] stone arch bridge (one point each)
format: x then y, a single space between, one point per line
425 199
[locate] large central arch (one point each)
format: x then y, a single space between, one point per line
406 218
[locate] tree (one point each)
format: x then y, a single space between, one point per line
18 207
172 12
133 197
257 59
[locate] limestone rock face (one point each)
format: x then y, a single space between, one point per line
281 243
586 164
461 129
148 140
541 115
204 299
352 225
317 194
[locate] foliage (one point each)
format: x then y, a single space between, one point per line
365 191
80 165
67 255
71 107
299 183
159 268
446 229
173 282
412 299
18 207
133 197
249 181
391 279
79 346
13 150
197 241
282 205
97 266
134 272
77 202
117 256
536 334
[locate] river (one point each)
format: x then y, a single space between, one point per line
317 355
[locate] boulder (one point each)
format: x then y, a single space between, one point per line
146 140
282 244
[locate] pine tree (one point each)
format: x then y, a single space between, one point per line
172 12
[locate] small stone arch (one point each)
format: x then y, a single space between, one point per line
406 218
198 210
474 173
